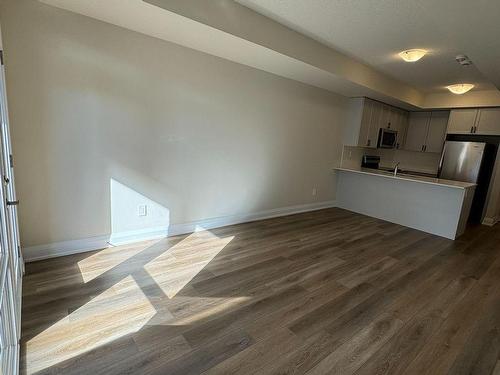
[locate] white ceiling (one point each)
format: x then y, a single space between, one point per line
375 31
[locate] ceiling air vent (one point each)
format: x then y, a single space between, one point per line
463 60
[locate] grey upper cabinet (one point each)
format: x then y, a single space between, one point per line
437 131
417 131
366 117
474 121
488 121
375 115
398 120
364 130
426 131
368 132
462 121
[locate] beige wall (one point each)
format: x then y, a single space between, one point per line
492 209
198 135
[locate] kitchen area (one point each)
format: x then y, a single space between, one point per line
435 171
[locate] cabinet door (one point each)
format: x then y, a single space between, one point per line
417 131
462 121
386 116
365 123
399 122
374 124
402 134
437 131
488 121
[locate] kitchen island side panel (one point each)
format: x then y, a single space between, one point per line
430 208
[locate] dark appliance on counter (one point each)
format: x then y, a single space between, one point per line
370 161
470 159
387 138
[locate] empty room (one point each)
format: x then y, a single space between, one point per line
249 187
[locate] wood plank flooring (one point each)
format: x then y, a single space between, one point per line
324 292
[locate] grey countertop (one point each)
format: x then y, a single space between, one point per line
410 177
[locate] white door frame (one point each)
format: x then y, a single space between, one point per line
11 260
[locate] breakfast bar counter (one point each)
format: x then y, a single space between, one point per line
433 205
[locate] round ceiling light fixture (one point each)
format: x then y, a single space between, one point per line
460 88
412 55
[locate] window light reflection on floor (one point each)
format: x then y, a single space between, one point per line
127 306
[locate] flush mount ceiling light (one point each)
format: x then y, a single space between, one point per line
460 88
412 55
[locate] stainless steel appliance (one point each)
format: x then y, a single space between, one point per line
387 138
461 161
469 162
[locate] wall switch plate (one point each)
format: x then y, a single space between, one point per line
142 210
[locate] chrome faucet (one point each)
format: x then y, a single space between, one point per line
396 167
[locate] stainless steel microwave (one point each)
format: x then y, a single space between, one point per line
387 138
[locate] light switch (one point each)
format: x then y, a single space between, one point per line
142 210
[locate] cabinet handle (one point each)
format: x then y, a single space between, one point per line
472 129
368 143
12 203
475 129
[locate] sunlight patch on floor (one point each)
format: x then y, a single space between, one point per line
103 319
107 259
175 268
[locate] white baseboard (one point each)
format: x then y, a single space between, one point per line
223 221
56 249
122 238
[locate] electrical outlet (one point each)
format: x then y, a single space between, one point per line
142 210
314 191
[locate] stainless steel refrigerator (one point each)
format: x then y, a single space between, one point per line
469 162
461 161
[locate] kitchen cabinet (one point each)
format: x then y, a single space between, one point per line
395 119
462 121
426 131
370 116
375 120
474 121
368 132
400 123
376 115
437 131
488 121
417 131
364 127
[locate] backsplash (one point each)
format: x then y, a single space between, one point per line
411 160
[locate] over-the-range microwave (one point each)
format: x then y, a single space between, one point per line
387 138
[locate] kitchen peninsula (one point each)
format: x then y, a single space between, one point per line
433 205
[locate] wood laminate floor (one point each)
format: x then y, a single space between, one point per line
325 292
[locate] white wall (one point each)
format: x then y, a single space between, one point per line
200 136
492 208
